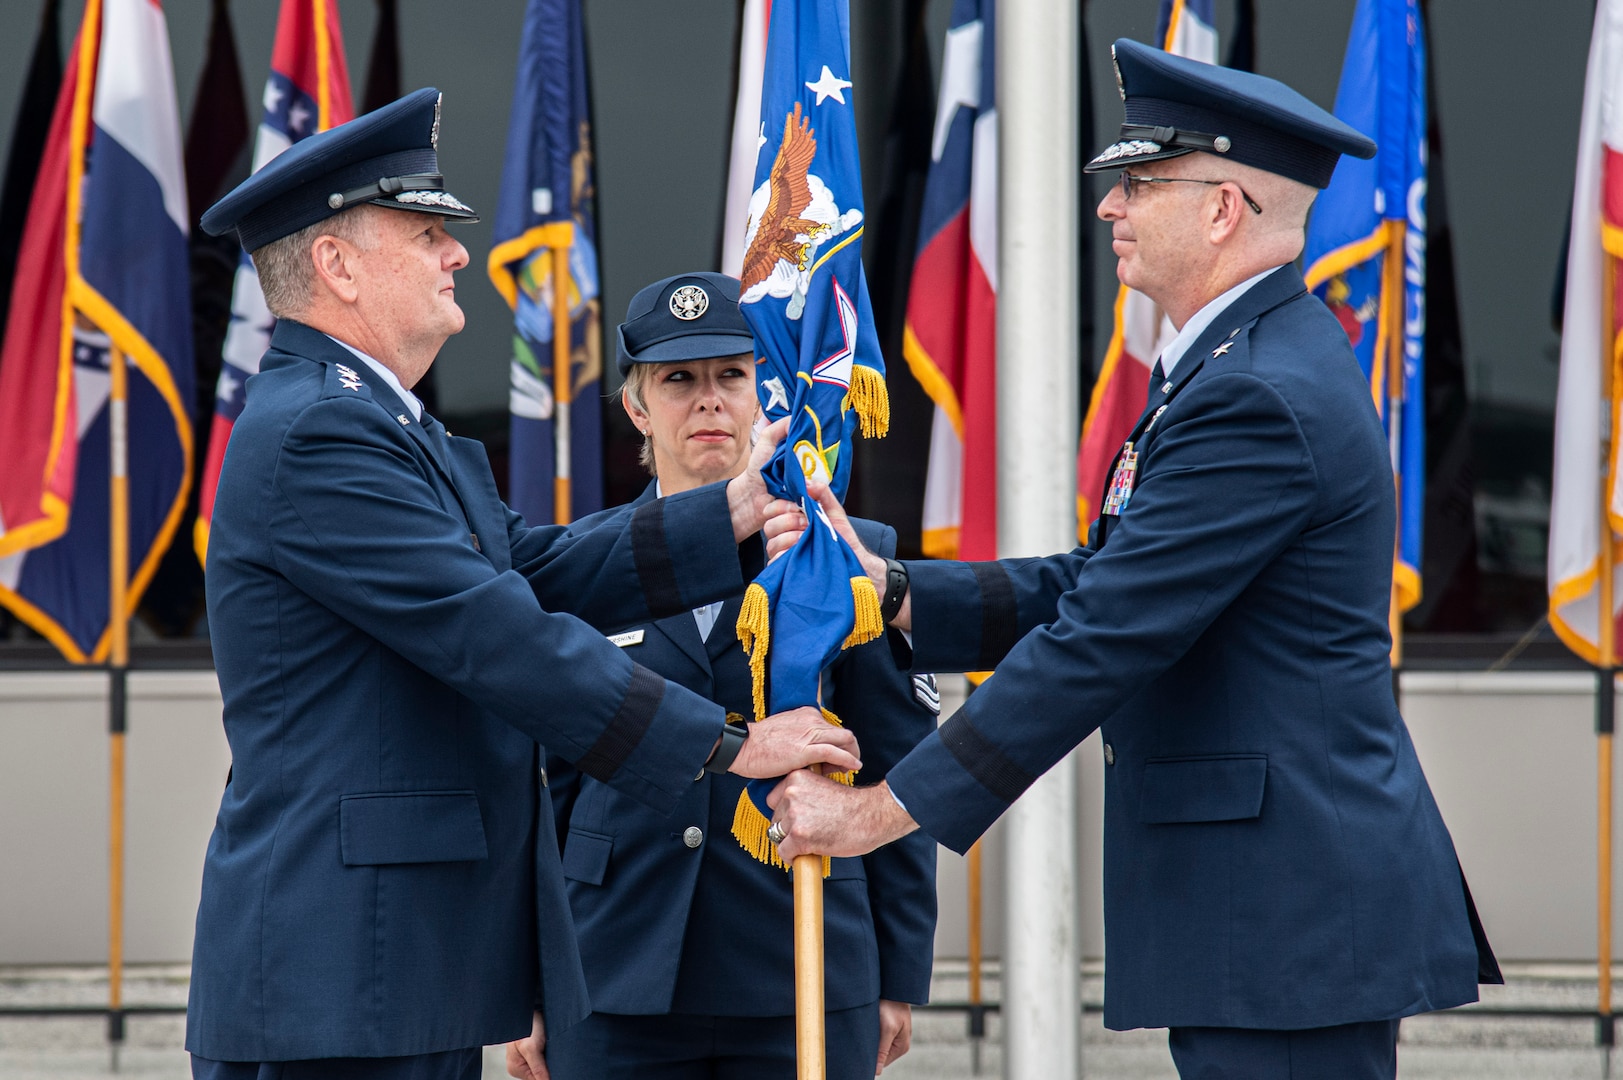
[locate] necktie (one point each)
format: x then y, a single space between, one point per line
1157 377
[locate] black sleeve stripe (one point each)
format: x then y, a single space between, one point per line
653 558
990 767
627 727
999 617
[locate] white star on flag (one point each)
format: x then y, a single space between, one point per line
228 386
298 117
836 369
775 394
828 85
273 97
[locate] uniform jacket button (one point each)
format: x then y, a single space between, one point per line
1110 754
693 836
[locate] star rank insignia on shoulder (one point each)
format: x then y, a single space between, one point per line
347 376
1221 349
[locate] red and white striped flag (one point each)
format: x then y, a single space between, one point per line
951 337
307 91
1589 345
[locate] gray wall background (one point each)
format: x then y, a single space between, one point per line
1509 78
1510 757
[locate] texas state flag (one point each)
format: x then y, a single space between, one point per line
102 278
951 336
308 91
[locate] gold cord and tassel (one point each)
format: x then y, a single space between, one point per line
867 623
755 634
871 400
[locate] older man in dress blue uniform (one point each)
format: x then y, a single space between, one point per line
1279 886
382 893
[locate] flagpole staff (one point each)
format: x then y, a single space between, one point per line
562 390
810 1050
118 663
1606 692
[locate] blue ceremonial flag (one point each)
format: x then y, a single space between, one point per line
1366 247
548 206
803 293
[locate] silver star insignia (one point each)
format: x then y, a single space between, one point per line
1223 348
776 396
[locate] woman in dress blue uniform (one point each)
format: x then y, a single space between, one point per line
686 939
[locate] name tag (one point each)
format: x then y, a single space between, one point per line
630 637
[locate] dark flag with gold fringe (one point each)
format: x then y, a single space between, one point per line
803 292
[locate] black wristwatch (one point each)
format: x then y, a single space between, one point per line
726 751
895 590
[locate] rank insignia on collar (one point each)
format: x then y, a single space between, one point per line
347 376
1221 349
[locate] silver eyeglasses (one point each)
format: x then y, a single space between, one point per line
1128 180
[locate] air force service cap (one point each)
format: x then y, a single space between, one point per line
387 158
686 317
1177 106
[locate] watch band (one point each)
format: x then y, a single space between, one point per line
895 590
726 752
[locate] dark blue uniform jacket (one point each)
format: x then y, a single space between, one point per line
1273 855
377 883
665 927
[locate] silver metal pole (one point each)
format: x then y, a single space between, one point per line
1037 433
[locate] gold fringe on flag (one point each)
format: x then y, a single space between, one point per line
869 623
871 401
755 633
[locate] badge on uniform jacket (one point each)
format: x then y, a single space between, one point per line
1121 481
630 637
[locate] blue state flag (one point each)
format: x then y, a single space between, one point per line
1366 247
548 204
803 293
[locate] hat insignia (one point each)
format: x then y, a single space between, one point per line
689 302
432 198
434 132
1129 148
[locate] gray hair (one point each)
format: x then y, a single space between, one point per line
286 273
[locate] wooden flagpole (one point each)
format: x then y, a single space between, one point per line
118 663
1605 689
810 1050
562 377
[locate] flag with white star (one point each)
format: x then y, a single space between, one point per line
804 295
298 103
103 279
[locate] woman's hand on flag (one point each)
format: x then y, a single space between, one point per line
747 496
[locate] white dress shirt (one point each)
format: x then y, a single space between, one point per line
1200 320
